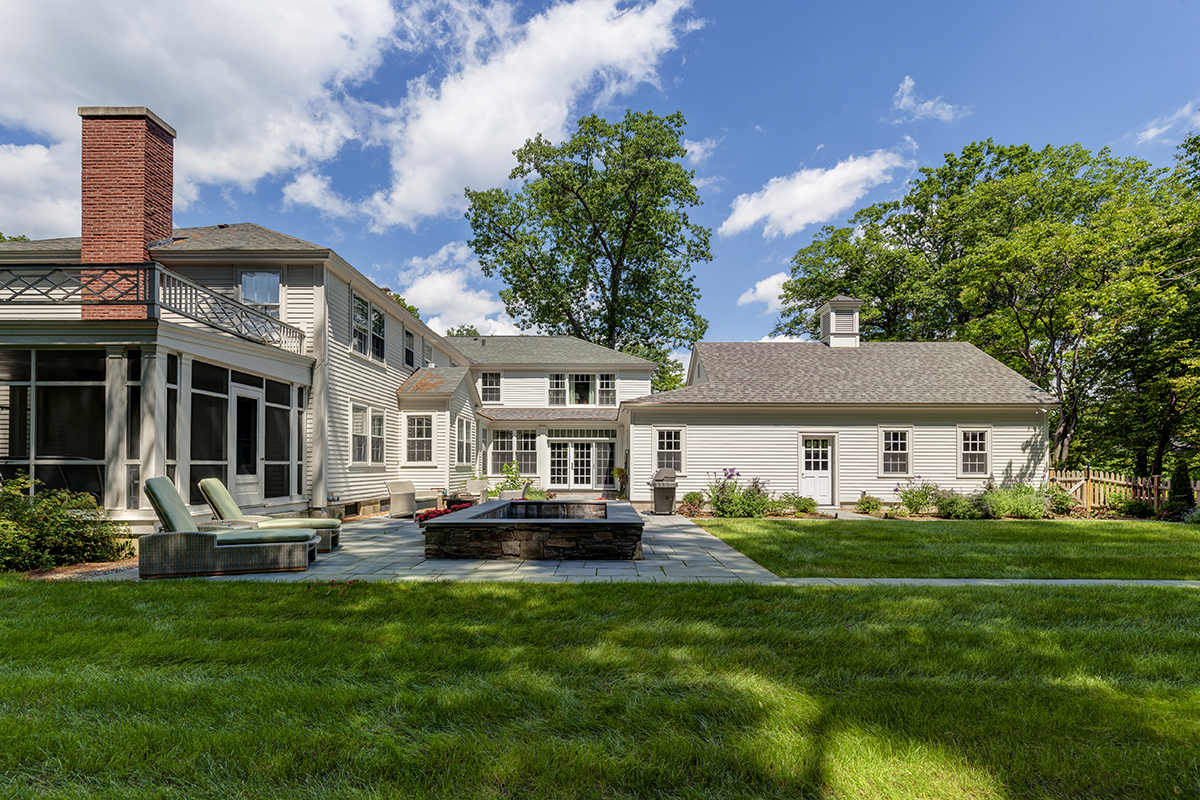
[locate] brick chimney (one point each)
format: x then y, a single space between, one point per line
128 178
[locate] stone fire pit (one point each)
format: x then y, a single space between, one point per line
537 529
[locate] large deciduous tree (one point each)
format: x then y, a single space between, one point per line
596 241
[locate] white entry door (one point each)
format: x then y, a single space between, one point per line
817 479
248 453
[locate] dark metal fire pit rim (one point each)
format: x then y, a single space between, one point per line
619 512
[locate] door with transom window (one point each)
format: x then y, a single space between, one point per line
816 461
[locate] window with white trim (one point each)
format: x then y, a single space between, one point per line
668 448
489 387
377 437
358 434
607 395
558 389
260 290
895 454
502 450
581 390
527 452
427 353
419 440
466 440
410 352
378 332
973 452
361 319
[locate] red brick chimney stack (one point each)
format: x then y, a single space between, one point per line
128 177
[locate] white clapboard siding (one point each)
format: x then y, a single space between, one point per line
298 303
632 384
34 312
219 279
766 444
522 388
461 405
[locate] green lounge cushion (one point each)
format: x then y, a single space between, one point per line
169 506
220 500
259 536
426 498
315 523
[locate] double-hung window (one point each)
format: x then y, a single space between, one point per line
489 387
466 440
420 439
510 446
427 353
260 291
502 450
367 435
410 353
895 452
526 443
558 389
369 328
973 452
607 395
669 448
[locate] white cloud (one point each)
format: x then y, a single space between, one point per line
783 337
789 204
698 152
1182 120
766 291
442 287
276 88
530 80
907 102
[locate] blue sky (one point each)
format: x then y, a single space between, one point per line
356 124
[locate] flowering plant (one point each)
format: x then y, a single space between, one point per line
439 512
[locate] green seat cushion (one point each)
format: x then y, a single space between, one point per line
259 536
219 499
169 506
425 498
301 522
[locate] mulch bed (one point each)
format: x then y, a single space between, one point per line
75 571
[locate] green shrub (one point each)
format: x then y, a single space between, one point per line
916 494
1021 500
951 505
1181 496
54 528
1126 506
691 504
1192 517
898 511
1029 505
1061 501
798 503
868 504
729 498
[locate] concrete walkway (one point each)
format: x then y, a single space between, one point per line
675 550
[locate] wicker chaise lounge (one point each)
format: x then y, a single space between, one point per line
182 550
225 508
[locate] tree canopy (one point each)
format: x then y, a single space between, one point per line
1069 266
462 330
407 306
596 242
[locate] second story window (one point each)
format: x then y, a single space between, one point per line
608 389
360 322
558 389
427 353
410 353
420 439
378 326
581 390
260 291
489 384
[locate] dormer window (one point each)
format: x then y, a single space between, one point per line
260 291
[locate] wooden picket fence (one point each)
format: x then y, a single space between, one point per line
1092 488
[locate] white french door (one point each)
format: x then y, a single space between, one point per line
581 465
560 464
816 480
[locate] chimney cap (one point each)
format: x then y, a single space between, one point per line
126 111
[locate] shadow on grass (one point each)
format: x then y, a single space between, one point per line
577 691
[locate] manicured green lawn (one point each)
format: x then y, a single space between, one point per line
975 549
195 689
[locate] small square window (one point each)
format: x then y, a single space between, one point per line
974 452
895 453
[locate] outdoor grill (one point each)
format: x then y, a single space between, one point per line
663 483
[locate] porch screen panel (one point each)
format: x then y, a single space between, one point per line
277 435
210 427
247 436
14 422
70 422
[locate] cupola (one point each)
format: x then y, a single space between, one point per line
839 321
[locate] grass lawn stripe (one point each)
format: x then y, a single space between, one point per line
1081 549
195 689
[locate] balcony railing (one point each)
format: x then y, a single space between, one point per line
150 285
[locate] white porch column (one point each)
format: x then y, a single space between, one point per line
114 429
154 415
183 429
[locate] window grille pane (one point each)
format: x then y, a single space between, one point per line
14 365
70 421
210 378
378 324
427 353
377 439
173 369
490 383
895 463
277 480
14 421
278 437
362 310
210 428
670 450
410 357
279 393
674 460
246 457
558 389
70 365
246 379
607 389
974 456
420 439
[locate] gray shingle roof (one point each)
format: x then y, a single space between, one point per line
238 236
875 372
549 414
542 350
433 380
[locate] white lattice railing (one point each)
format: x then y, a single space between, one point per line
151 285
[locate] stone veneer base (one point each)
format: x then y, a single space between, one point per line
524 530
